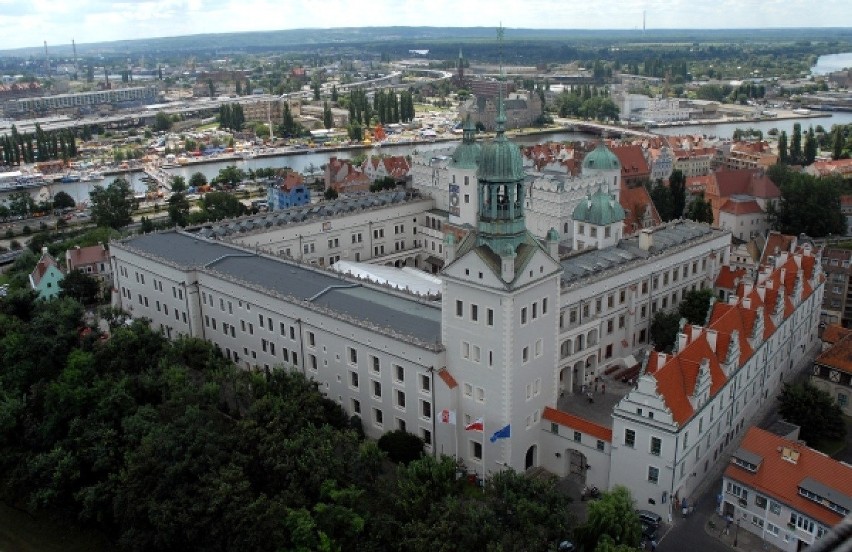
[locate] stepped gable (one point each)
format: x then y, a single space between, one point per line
677 375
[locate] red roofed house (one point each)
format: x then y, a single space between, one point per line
595 440
634 167
691 407
393 166
785 492
93 260
832 371
344 177
638 208
727 183
838 167
743 216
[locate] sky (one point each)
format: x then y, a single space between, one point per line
26 23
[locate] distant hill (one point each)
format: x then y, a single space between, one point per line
380 39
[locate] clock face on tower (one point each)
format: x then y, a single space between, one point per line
816 370
834 376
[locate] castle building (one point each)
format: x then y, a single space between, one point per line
495 370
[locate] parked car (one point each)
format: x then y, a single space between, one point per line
649 518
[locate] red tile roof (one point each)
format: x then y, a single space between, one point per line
839 356
580 424
729 277
636 203
780 479
741 207
834 333
633 163
82 256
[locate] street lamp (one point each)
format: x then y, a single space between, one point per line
736 533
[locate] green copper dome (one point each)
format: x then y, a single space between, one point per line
500 161
601 159
600 209
467 154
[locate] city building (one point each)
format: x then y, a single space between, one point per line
92 260
391 166
344 177
287 191
690 407
837 305
521 108
783 491
722 184
832 372
743 216
526 325
81 102
45 277
635 170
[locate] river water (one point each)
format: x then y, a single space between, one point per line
313 160
832 62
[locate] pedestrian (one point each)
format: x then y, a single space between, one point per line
653 545
591 397
728 521
596 385
603 388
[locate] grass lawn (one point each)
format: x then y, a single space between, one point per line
23 533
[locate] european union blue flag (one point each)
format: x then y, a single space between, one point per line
503 433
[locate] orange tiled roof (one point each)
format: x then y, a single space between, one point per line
636 200
728 277
834 333
81 256
839 356
580 424
741 207
780 479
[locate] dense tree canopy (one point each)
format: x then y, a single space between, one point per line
168 446
813 410
611 519
112 206
809 204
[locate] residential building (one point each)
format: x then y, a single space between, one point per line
748 155
92 260
832 372
837 305
838 167
391 166
693 162
690 407
83 102
344 177
785 492
287 191
45 277
635 170
522 109
743 216
722 184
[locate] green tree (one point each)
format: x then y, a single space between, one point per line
219 205
612 516
808 204
677 187
810 147
21 204
330 194
112 206
661 195
197 179
783 155
327 119
230 175
700 210
695 306
664 328
837 143
334 93
162 122
178 204
796 144
80 286
401 447
814 410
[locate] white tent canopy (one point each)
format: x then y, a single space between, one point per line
415 281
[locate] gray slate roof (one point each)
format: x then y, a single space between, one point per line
627 252
346 297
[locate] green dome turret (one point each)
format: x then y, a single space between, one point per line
468 152
600 209
601 159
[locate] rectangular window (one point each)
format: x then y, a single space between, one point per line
629 438
426 435
476 449
459 308
312 362
600 445
375 365
489 320
311 340
426 410
523 315
377 390
544 306
578 437
353 356
474 312
656 445
399 373
353 379
653 474
378 416
400 399
425 383
356 406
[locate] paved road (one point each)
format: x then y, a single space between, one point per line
689 534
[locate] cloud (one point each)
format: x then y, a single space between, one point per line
27 23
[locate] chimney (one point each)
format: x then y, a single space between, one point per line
44 250
746 302
681 341
711 339
646 239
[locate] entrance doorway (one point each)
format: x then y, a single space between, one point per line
530 460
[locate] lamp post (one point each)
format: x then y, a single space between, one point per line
736 533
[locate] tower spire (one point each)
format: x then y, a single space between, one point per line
501 111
